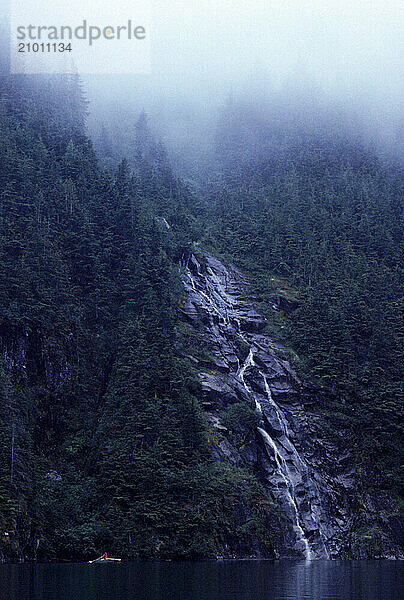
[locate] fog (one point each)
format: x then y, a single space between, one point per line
293 54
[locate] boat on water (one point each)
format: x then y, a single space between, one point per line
104 559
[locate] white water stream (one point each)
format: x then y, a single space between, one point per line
217 300
280 461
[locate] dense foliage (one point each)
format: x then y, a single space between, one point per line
317 219
103 445
102 442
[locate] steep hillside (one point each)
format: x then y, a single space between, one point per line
102 442
316 222
264 416
120 428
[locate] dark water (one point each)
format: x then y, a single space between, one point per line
232 580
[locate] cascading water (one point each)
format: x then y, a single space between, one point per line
280 459
219 297
285 475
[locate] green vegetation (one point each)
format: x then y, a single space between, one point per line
319 221
102 443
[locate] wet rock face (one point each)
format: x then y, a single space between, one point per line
311 479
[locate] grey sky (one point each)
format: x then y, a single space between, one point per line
351 50
357 46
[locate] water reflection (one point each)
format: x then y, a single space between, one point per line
228 580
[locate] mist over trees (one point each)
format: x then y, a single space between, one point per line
295 190
103 443
105 188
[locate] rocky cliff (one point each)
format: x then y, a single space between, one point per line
310 477
262 415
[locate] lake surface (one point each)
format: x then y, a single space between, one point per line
227 580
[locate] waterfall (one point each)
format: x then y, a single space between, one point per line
248 363
285 475
279 414
280 460
221 296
